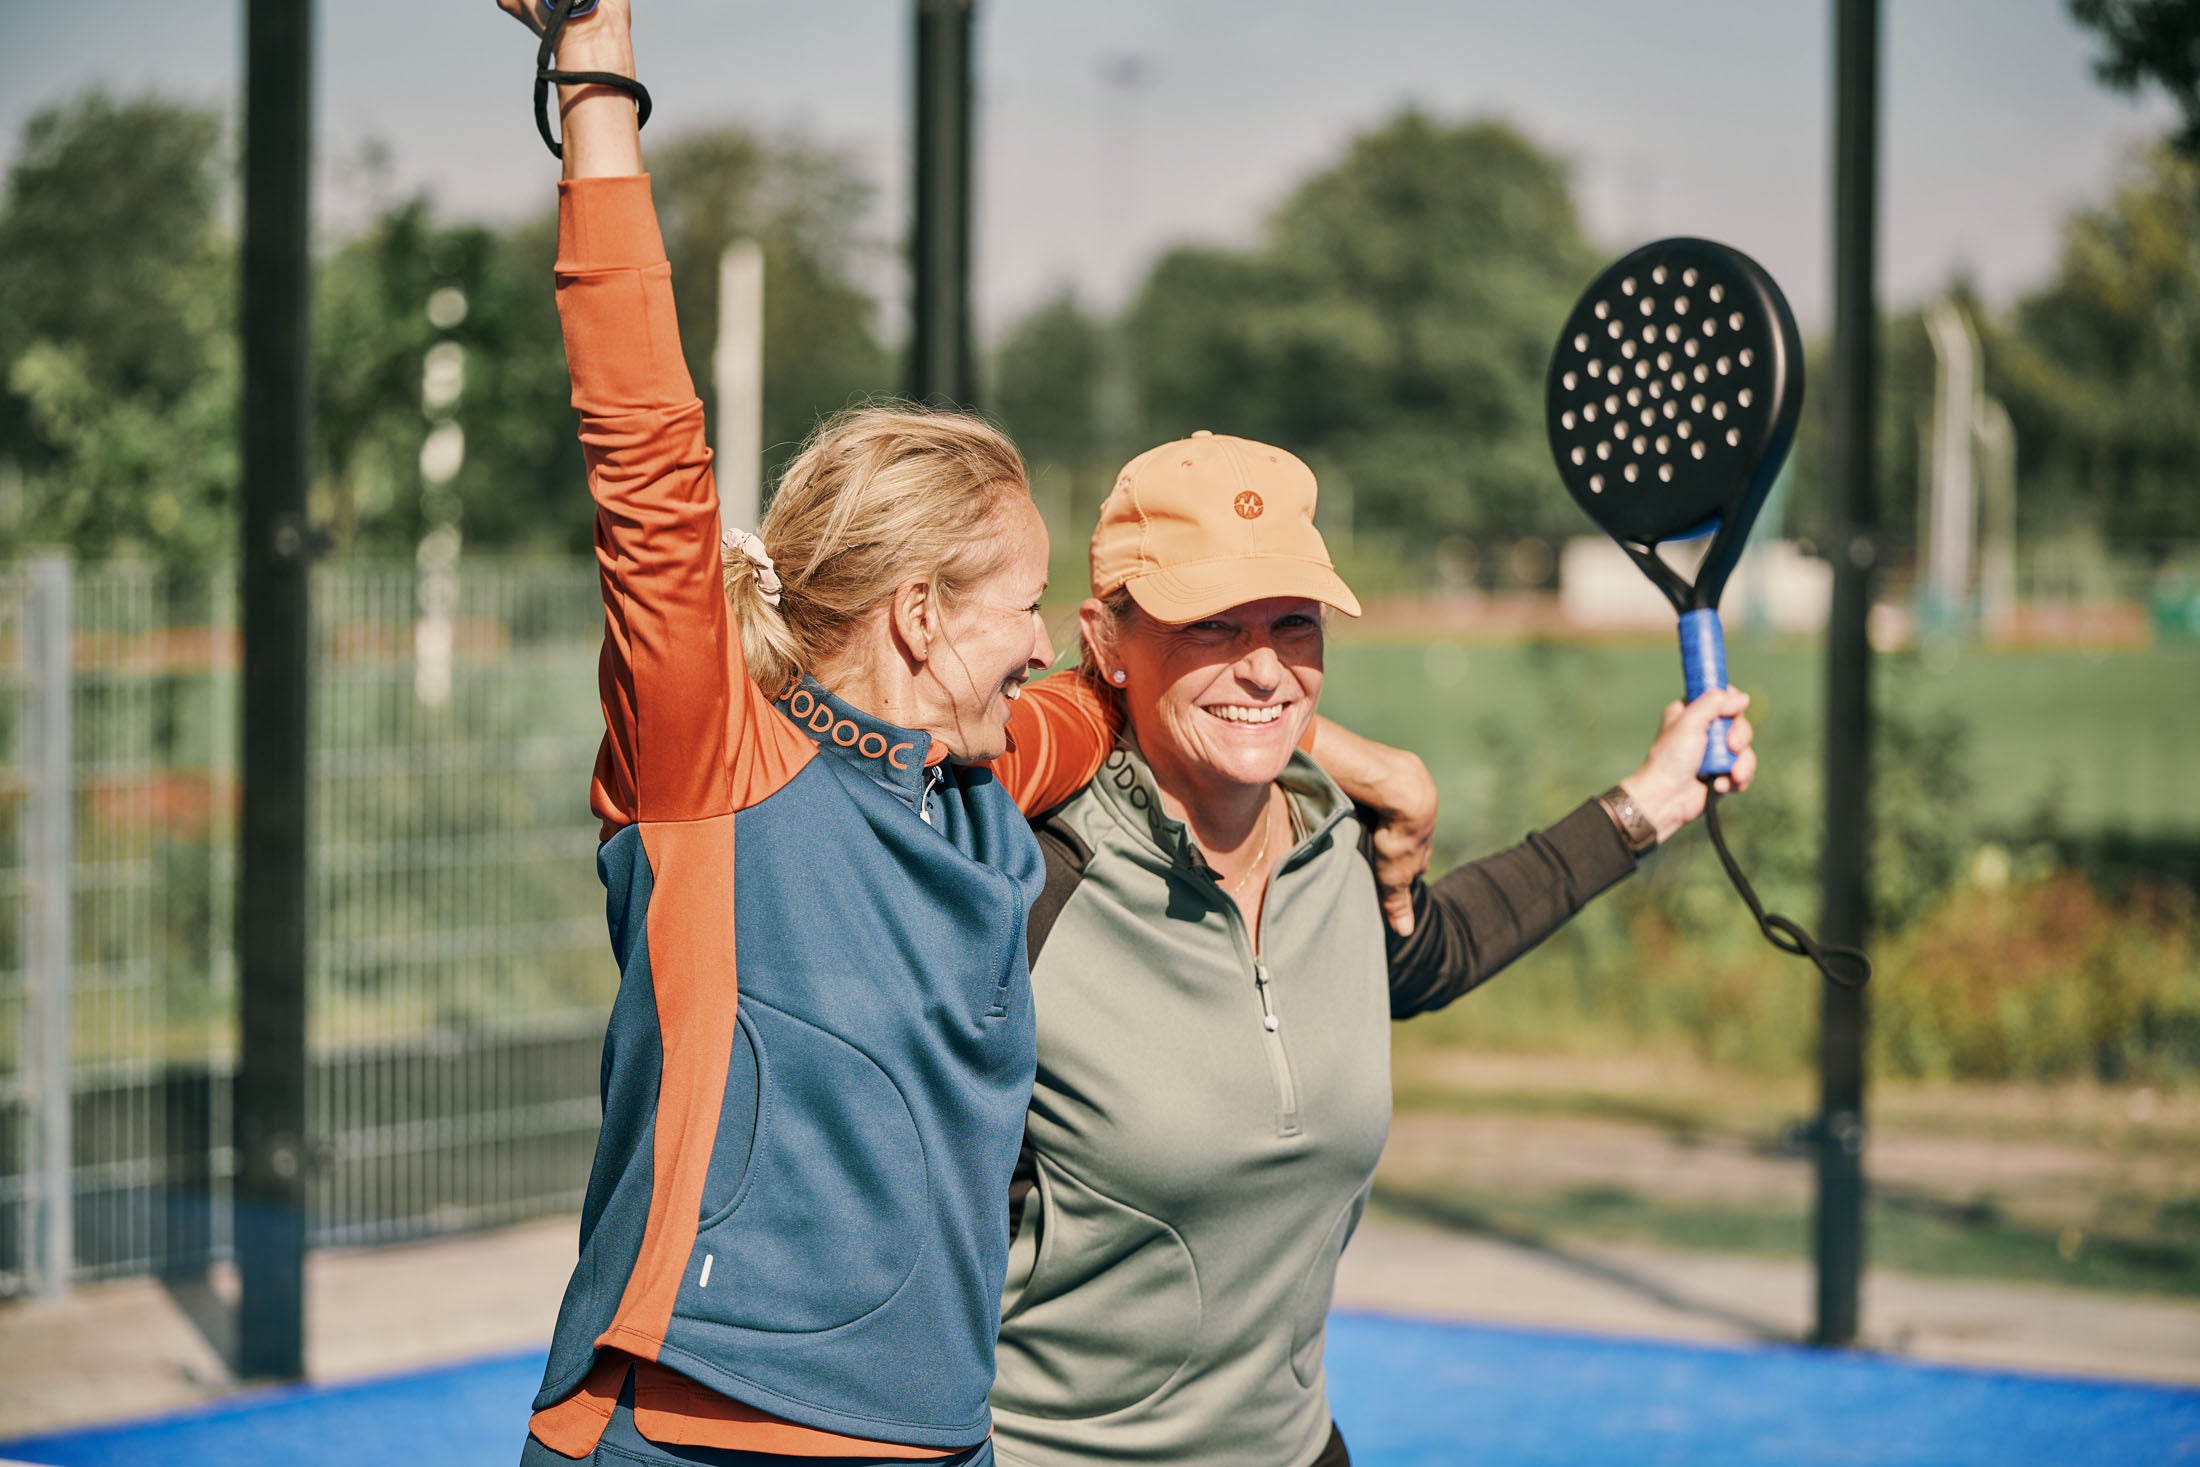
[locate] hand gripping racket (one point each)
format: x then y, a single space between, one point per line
555 13
1672 402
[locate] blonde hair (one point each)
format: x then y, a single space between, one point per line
877 495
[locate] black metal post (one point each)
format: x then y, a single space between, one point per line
270 1098
942 365
1852 522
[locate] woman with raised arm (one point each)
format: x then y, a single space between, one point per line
818 876
792 1241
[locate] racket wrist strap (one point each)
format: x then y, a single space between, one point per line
1843 966
547 75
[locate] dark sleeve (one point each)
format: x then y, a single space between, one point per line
1475 920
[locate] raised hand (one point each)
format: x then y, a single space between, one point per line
1395 787
601 133
1666 787
531 14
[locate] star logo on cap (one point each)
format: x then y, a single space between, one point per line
1248 505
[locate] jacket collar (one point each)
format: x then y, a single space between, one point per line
1125 784
892 755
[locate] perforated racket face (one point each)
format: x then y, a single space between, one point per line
1673 396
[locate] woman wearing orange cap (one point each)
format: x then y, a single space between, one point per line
1214 986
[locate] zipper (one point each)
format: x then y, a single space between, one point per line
1279 1058
1271 1022
1000 987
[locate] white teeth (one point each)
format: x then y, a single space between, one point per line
1239 713
1015 691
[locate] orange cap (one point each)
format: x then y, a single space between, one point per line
1210 522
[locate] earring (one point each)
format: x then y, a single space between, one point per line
1119 677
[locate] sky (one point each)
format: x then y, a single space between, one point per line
1108 132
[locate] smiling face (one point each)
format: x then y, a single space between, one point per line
990 640
1218 704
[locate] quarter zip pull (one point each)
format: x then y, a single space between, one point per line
1267 1010
924 796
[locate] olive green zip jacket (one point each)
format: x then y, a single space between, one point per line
1207 1117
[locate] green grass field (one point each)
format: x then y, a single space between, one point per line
2036 846
2043 755
2066 743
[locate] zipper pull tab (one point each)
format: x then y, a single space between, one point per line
1268 1018
924 796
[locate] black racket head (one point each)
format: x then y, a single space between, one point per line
1672 401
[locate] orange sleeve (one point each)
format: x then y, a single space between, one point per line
687 735
1059 733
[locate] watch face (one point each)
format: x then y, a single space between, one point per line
1635 827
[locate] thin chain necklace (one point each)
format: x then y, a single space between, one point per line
1267 829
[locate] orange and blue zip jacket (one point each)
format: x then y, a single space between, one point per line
816 1068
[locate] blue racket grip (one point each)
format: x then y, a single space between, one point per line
549 9
1703 667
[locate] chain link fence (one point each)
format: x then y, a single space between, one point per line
18 1055
459 975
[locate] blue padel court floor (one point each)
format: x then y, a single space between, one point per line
1408 1394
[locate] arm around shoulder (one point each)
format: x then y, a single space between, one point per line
1394 789
1060 734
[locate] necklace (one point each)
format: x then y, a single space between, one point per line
1267 829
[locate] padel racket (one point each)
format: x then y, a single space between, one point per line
1672 402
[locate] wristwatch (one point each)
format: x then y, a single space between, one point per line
1634 826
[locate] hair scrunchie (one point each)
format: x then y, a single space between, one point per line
752 550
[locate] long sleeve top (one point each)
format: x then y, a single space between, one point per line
817 1064
1210 1106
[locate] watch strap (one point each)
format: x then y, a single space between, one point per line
1627 817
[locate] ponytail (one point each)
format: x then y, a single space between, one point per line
878 495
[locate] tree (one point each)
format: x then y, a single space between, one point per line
1057 385
1393 328
1905 380
405 287
1047 381
117 353
118 358
805 206
2101 367
2150 41
520 481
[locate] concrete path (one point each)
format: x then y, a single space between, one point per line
1639 1290
127 1349
131 1348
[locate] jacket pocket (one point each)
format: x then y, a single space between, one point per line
820 1218
1109 1314
737 1121
1317 1288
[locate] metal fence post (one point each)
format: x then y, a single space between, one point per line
943 364
47 868
270 1195
1852 521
